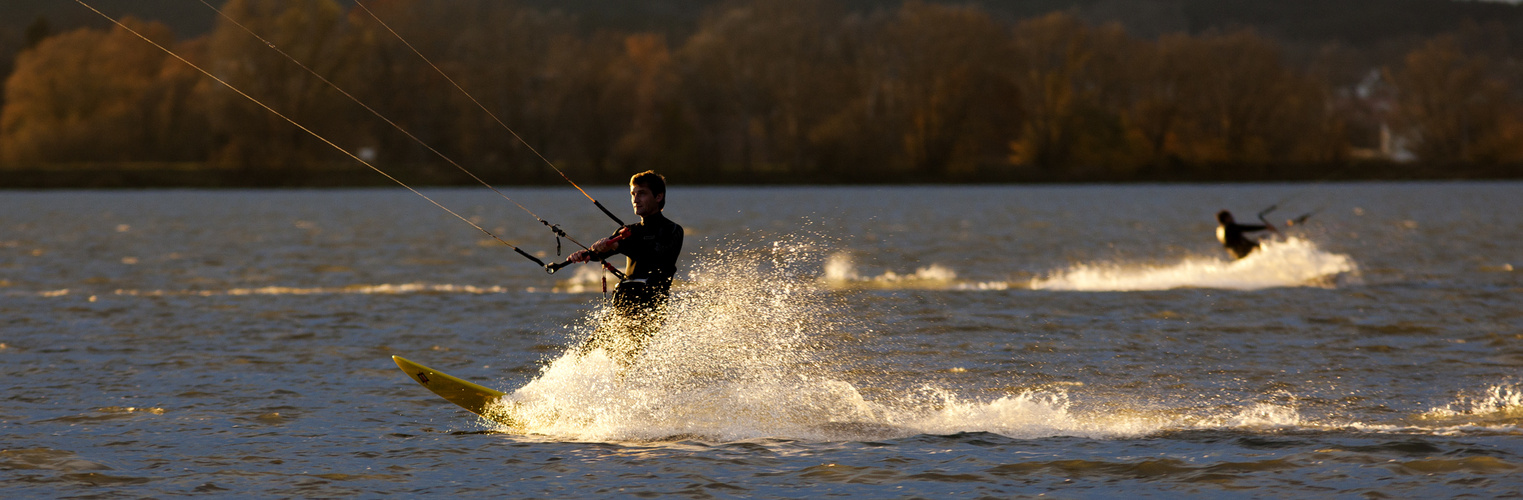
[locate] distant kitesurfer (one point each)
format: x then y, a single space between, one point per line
1230 233
652 247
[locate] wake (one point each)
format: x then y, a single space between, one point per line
757 346
841 273
1293 262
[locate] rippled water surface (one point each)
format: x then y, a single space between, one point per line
1076 342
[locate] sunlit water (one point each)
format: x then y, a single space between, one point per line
885 342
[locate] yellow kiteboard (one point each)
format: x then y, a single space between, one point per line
487 402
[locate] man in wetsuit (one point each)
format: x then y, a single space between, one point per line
1230 233
652 247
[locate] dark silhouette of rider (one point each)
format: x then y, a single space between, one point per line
1233 237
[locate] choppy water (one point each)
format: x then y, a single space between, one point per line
1077 342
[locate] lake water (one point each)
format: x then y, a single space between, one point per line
1066 341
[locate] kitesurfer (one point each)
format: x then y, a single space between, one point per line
1231 234
652 247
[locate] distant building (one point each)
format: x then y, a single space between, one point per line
1372 102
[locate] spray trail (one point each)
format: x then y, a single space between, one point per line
755 344
1288 263
742 353
1498 406
841 273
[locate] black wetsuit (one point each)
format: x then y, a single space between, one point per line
652 246
1231 236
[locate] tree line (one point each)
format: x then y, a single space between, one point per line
761 91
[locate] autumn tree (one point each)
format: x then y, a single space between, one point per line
585 111
248 136
388 77
931 91
1073 85
1157 109
97 96
640 103
502 60
1454 109
759 76
1246 106
761 89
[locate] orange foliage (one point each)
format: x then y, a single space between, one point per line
94 96
1455 109
770 89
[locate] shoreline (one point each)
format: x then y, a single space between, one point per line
180 175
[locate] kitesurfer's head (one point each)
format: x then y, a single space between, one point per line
647 192
1224 217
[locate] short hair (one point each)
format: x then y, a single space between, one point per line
653 181
1224 217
